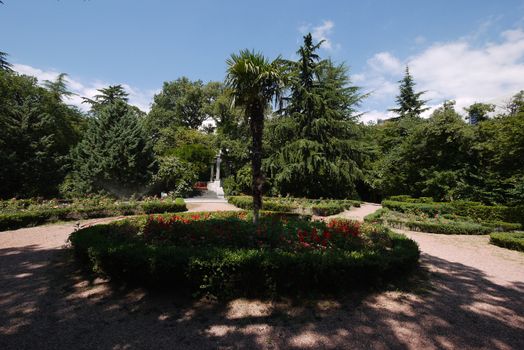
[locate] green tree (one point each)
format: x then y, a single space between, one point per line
317 151
114 157
255 82
182 103
437 159
37 134
106 97
409 102
4 64
478 112
500 141
58 87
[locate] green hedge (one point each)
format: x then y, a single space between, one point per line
30 217
327 209
409 199
320 207
469 209
510 240
227 272
461 225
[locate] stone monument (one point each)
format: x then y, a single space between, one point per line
214 184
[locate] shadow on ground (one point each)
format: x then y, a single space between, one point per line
46 303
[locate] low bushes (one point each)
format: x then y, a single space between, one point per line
472 210
37 214
510 240
320 207
225 255
446 224
163 206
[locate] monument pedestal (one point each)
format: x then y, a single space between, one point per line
215 186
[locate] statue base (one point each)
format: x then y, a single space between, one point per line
216 186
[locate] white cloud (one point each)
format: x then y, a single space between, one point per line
459 70
322 32
385 62
140 98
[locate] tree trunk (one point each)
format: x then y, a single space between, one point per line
256 123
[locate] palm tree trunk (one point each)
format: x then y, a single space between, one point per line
257 128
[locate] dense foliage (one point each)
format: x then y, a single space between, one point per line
37 131
15 214
314 146
320 207
315 142
444 224
224 255
114 156
510 240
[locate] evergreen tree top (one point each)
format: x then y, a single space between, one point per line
409 102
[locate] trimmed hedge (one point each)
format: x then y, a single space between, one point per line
117 250
469 209
461 225
510 240
30 217
320 207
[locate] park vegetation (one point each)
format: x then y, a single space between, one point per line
225 254
286 128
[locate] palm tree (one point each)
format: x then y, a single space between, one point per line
255 82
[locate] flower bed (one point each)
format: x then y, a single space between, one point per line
226 255
16 214
510 240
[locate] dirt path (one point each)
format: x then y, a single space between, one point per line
472 299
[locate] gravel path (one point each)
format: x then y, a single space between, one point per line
469 295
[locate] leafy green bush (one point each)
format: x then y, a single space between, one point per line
320 207
409 199
510 240
49 211
445 224
463 208
287 257
327 209
163 206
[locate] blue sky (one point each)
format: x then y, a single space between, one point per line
466 50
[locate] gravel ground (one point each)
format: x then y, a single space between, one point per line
468 295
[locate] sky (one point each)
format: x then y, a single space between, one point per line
470 51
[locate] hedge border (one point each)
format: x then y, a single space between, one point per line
319 207
509 240
234 272
21 219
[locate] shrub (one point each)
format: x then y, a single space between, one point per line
320 207
37 214
327 209
446 224
463 208
229 257
409 199
510 240
164 206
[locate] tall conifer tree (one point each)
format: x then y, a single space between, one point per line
409 102
319 155
114 157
